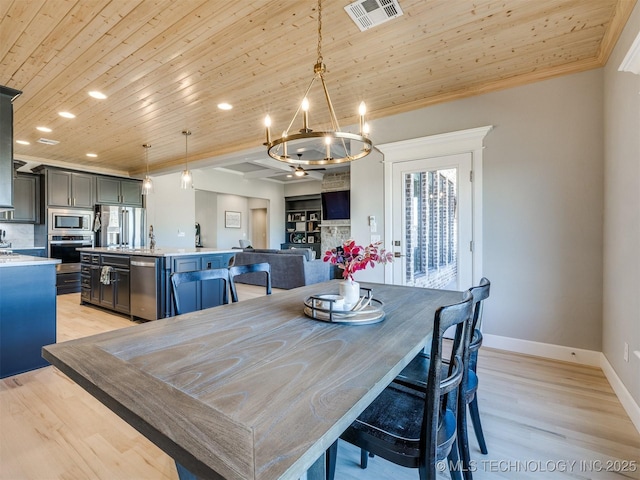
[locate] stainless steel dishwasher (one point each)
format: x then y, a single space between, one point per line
144 287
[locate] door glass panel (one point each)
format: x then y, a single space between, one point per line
431 228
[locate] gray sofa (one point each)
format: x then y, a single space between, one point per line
289 268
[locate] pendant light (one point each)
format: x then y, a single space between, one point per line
186 178
147 184
332 146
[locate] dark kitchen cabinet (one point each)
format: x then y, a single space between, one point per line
26 199
70 189
116 294
7 96
118 191
199 295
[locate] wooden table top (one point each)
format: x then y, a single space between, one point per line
252 390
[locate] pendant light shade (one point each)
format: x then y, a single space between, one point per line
147 184
186 180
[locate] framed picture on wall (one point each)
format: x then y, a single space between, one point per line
232 219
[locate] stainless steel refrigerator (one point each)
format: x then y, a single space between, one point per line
120 226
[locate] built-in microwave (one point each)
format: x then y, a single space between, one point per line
69 221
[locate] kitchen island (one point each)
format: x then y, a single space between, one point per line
27 311
136 282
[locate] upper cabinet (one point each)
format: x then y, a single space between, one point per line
26 200
69 189
118 191
7 95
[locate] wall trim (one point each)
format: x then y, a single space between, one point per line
575 355
546 350
628 402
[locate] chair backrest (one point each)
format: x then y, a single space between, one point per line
178 278
236 270
480 293
444 392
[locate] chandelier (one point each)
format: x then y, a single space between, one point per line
147 184
311 147
186 178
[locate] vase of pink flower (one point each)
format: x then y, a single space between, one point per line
351 258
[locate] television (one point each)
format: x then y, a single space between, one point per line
336 205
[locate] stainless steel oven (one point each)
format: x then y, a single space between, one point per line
67 221
64 247
69 229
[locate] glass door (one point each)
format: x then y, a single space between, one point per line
432 231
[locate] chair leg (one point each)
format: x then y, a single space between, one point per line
331 456
463 442
364 458
454 462
477 426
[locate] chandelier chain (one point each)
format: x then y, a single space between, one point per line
319 32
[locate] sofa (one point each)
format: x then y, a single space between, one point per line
291 268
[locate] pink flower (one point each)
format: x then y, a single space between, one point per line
352 258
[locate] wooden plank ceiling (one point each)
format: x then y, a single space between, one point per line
166 64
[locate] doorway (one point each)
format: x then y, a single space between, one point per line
433 209
432 229
259 227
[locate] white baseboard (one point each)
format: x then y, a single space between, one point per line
546 350
568 354
627 401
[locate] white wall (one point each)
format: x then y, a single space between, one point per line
270 192
543 202
230 237
302 188
207 217
171 211
621 300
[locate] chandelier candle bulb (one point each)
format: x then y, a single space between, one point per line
284 145
362 109
305 115
327 141
267 124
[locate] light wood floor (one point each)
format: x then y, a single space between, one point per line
540 417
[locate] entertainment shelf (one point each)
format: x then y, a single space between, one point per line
303 215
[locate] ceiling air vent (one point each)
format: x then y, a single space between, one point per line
370 13
46 141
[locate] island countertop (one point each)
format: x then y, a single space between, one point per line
158 252
17 260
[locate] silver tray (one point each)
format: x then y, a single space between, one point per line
368 310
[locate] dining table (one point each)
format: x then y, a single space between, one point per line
253 390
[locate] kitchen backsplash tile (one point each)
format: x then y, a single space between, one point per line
20 235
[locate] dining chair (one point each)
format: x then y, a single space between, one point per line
414 373
178 278
236 270
415 428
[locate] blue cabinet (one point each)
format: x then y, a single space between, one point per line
198 295
27 316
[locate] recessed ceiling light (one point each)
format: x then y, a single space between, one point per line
23 142
98 95
44 129
92 155
66 114
225 106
